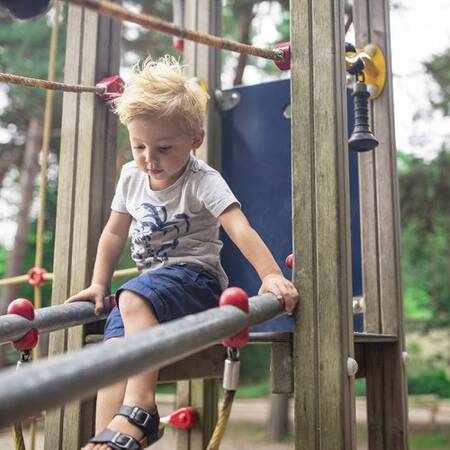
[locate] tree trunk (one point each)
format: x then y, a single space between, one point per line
246 16
9 158
28 172
277 425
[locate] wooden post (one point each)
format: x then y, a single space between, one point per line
86 184
385 372
204 63
324 394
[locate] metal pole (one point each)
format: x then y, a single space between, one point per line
13 327
50 383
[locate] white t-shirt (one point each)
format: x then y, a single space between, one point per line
179 224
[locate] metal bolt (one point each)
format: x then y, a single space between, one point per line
352 367
405 358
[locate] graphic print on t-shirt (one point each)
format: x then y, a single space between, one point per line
155 235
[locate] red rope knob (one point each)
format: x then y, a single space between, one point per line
237 297
184 418
36 276
113 87
289 261
285 63
178 44
23 307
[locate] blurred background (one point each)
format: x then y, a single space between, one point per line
420 43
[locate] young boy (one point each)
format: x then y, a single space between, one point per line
174 205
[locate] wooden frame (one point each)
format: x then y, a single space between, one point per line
204 63
324 398
380 228
323 342
88 144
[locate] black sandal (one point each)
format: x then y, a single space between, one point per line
145 421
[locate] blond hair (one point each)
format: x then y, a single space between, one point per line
160 88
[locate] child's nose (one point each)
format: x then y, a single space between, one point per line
150 156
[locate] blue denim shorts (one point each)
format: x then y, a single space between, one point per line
173 292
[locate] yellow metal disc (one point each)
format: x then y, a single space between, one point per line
375 70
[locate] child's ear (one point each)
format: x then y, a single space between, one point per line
197 140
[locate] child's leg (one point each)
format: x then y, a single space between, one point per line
137 316
109 400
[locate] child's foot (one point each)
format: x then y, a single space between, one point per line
132 428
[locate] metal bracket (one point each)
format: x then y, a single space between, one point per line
227 100
372 59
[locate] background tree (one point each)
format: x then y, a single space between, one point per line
24 48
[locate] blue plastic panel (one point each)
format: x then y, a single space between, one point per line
256 163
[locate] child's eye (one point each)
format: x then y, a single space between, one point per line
139 147
164 149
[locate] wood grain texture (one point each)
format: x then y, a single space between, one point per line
204 63
385 373
324 399
84 193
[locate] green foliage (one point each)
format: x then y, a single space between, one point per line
425 241
425 440
24 50
439 68
255 363
426 381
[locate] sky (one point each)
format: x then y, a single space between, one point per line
419 30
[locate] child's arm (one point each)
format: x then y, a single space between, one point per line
255 250
110 247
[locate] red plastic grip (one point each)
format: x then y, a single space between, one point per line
289 261
113 85
285 63
36 276
23 307
237 297
184 418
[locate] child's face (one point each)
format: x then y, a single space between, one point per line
161 148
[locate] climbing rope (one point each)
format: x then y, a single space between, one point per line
154 23
222 423
19 443
45 84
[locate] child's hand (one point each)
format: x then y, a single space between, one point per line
95 293
282 288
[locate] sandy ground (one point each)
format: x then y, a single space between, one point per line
247 424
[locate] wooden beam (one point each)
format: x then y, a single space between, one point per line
379 188
386 403
385 372
85 191
323 341
204 63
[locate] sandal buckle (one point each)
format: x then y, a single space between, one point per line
122 441
140 416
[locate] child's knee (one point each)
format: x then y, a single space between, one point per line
131 304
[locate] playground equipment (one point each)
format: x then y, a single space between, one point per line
324 346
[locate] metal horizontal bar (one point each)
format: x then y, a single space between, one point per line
13 327
47 384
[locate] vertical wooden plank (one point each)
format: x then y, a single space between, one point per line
387 397
387 182
324 399
380 186
204 63
65 210
369 229
182 437
94 188
386 402
89 133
